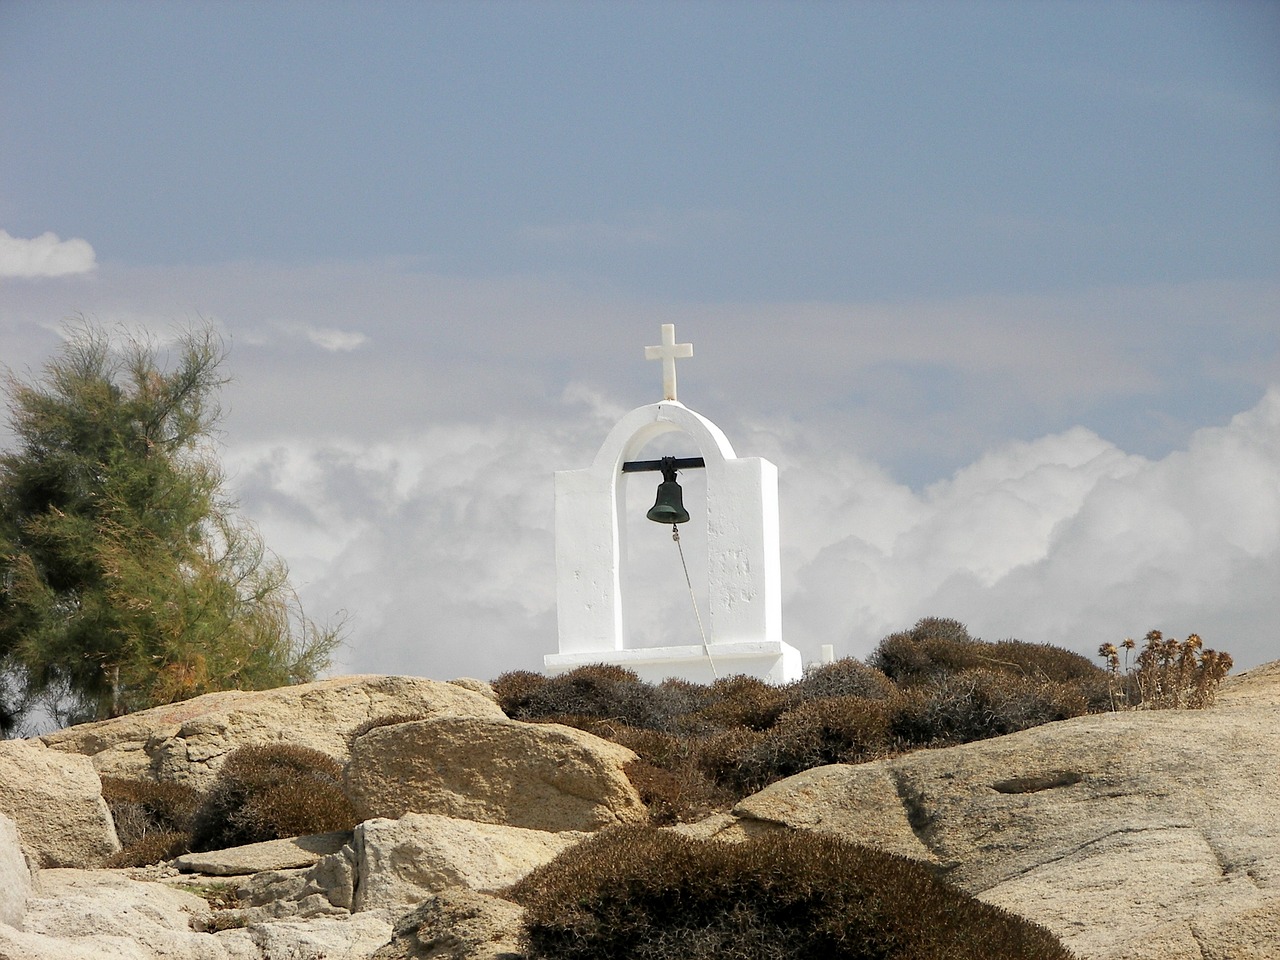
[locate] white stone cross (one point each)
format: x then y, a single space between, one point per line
669 352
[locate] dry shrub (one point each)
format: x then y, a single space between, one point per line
1043 661
816 733
847 677
669 776
741 701
152 819
638 893
933 647
269 792
1168 674
936 649
600 690
153 848
977 704
513 690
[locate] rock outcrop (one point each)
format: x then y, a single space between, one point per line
56 802
1132 836
403 862
1145 834
542 776
187 742
457 924
15 875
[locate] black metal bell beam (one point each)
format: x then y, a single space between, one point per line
669 505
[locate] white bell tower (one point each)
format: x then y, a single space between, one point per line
743 633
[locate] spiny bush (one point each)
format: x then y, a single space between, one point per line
816 733
1167 674
933 685
514 689
934 646
152 819
976 704
268 792
667 774
598 690
741 701
846 677
638 893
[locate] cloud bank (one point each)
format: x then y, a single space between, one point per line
44 256
441 544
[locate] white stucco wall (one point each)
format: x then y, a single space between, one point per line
744 567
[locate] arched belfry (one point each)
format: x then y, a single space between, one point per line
742 629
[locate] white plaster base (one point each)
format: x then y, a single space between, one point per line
770 660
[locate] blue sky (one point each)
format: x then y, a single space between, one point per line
997 285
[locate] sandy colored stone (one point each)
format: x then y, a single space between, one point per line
402 862
15 877
56 802
188 741
457 924
725 827
481 687
857 802
121 917
321 938
285 854
543 776
1132 836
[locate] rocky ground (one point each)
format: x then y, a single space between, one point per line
1131 835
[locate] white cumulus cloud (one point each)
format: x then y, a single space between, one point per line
440 544
44 256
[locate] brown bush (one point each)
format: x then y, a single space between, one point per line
816 733
637 893
741 701
603 691
513 690
933 647
720 757
152 819
847 677
977 704
269 792
153 848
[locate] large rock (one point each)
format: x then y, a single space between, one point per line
403 862
287 854
543 776
1146 834
188 741
15 877
457 924
105 915
321 938
101 914
56 801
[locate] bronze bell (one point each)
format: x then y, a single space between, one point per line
669 506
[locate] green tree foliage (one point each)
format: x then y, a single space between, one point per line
126 577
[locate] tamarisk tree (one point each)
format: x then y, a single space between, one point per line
126 577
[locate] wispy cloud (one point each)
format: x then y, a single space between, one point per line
335 341
44 256
330 339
